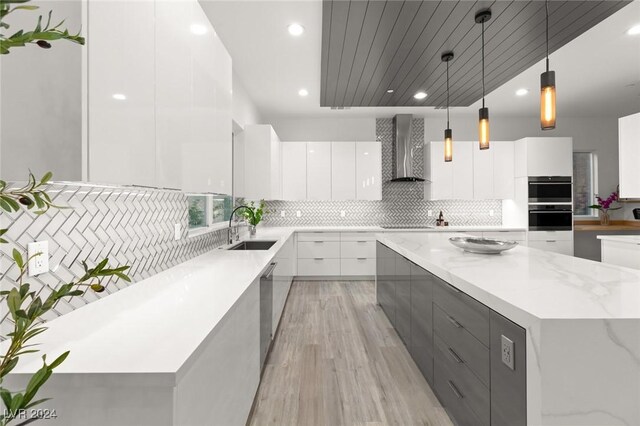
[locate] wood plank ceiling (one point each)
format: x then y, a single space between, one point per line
369 47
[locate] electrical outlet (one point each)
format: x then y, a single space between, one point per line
38 254
508 354
490 212
343 213
298 214
429 213
283 213
177 231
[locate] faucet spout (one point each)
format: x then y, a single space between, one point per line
229 233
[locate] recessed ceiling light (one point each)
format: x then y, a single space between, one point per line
198 29
635 30
303 92
389 90
420 95
522 92
119 96
295 29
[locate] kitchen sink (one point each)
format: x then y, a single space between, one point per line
252 245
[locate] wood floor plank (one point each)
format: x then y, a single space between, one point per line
336 360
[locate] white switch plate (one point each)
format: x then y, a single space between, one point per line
490 212
429 213
342 213
298 214
38 264
507 352
283 213
177 231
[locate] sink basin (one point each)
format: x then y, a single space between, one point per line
252 245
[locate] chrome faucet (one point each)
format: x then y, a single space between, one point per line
230 232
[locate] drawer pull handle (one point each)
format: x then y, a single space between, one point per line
455 390
551 241
454 322
318 242
361 258
318 258
455 356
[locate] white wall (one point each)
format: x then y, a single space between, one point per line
244 110
326 129
41 99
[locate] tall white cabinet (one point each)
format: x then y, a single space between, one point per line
629 155
343 171
262 173
294 171
368 171
159 101
318 171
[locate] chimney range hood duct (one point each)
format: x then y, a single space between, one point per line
403 149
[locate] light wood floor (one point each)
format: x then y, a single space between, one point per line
337 361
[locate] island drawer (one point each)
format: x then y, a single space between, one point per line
357 267
357 236
314 249
319 236
461 346
465 310
358 249
466 400
319 267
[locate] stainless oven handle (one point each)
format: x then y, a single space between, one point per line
547 211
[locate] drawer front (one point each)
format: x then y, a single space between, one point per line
318 236
421 347
461 393
462 346
315 249
357 236
550 235
562 247
468 312
357 249
318 267
357 267
506 235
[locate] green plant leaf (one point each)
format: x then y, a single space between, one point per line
59 360
17 257
9 366
6 397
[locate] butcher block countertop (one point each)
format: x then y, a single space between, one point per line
616 225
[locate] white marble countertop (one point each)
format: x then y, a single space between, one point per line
525 284
628 239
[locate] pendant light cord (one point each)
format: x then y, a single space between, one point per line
546 8
482 63
447 94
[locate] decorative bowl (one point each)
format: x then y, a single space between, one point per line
482 245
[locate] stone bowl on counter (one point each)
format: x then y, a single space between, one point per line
482 245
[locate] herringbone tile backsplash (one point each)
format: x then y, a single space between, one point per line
130 226
402 203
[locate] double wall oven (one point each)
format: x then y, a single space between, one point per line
550 203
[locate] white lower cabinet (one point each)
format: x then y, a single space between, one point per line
555 241
347 254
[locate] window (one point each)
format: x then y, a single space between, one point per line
209 209
584 183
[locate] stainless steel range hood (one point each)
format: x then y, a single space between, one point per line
403 171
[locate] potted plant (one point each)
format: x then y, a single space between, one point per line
605 205
253 215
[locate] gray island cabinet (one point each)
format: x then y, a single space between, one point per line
473 357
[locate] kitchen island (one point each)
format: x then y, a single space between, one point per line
581 319
621 250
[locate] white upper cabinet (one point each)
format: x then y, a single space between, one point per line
343 170
262 168
629 155
503 170
483 166
318 171
544 157
238 165
462 165
368 171
121 109
294 170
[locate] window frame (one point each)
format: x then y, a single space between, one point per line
209 225
594 185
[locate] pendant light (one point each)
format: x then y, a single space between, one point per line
483 119
448 134
547 87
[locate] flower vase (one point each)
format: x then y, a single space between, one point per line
252 231
604 217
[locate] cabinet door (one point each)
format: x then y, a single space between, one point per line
503 170
238 165
121 64
549 156
483 173
556 246
385 285
343 170
368 171
294 170
629 155
275 169
318 171
403 299
462 165
439 174
421 346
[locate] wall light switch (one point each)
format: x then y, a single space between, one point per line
298 214
508 354
490 212
283 213
38 254
429 213
177 231
342 213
